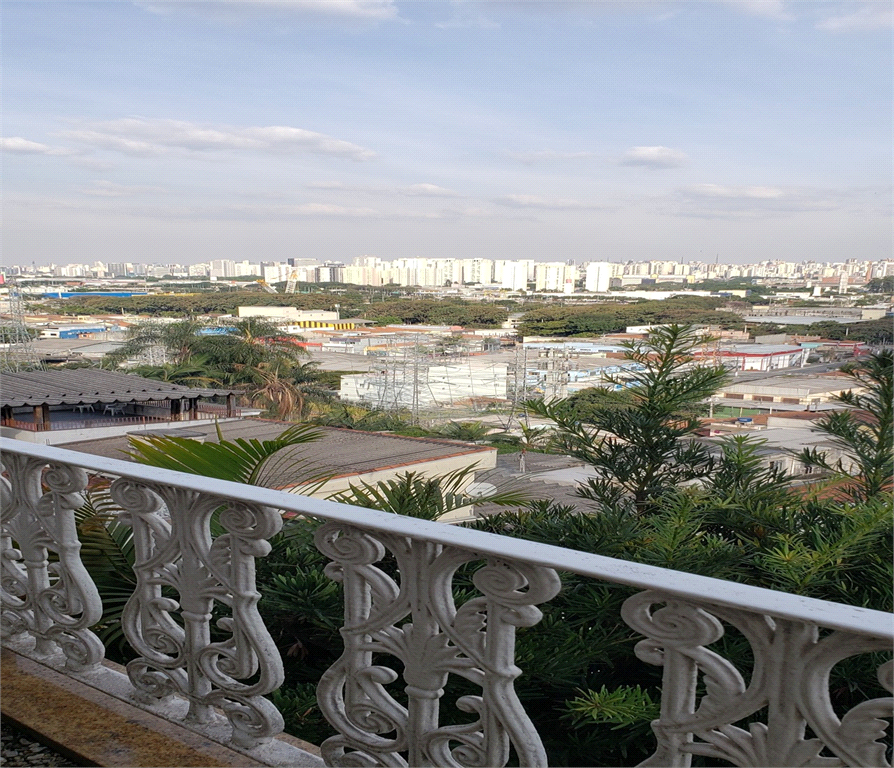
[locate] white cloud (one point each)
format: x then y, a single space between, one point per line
875 15
427 190
111 189
372 10
717 190
322 209
721 201
414 190
768 9
654 157
532 201
137 136
549 155
21 146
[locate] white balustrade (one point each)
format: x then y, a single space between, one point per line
174 549
54 602
412 617
790 678
475 641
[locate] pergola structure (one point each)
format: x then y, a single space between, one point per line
88 389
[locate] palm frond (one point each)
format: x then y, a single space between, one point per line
430 498
240 460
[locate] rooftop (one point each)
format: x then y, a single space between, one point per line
91 385
339 453
792 383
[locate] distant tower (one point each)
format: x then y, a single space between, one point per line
17 353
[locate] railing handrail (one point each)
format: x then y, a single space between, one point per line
58 426
684 585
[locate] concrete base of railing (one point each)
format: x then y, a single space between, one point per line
93 718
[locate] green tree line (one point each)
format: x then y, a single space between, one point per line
393 310
609 317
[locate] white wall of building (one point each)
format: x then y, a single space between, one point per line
598 276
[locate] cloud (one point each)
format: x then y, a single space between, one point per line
137 136
111 189
369 10
742 202
426 190
768 9
654 157
20 146
414 190
752 193
876 15
322 209
549 155
532 201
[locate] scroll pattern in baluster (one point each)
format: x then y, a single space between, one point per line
181 569
54 602
418 622
790 678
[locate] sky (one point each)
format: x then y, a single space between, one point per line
175 132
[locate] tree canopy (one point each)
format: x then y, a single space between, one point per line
249 353
611 317
636 437
863 431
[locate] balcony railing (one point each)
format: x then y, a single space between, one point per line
70 420
50 602
82 423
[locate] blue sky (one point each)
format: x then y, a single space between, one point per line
177 132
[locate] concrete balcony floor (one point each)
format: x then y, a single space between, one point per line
77 724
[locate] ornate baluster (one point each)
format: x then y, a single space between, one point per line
180 557
418 623
790 679
55 602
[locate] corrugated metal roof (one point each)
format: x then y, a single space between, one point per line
90 385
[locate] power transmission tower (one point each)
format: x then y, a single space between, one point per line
17 352
518 389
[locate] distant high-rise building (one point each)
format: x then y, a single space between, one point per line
223 268
598 276
553 276
515 275
118 269
477 270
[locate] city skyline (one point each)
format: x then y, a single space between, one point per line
481 273
272 129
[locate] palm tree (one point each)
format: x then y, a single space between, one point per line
254 462
195 371
173 342
309 387
270 388
252 340
467 431
251 353
429 498
345 416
